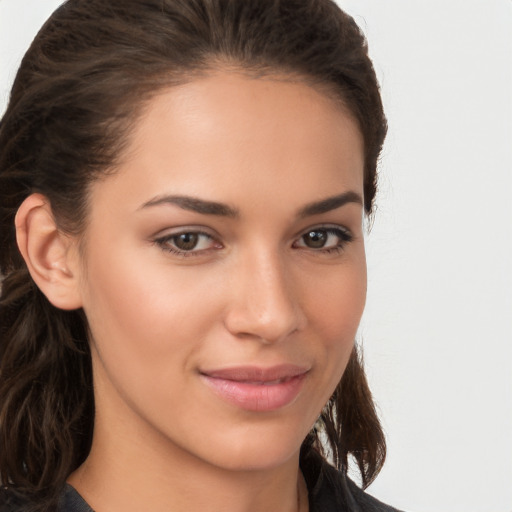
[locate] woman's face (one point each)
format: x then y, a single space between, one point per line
224 270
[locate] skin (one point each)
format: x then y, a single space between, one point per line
252 292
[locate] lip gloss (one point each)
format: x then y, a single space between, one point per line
257 389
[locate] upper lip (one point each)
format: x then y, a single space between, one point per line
257 373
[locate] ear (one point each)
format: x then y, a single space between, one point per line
51 255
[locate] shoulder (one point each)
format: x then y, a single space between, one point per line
70 501
367 502
11 501
332 491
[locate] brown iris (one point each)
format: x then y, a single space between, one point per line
186 241
315 239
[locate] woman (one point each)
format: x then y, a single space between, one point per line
183 191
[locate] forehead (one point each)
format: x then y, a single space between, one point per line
226 132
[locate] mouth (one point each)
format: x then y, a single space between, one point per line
257 389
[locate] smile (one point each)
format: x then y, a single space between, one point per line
257 389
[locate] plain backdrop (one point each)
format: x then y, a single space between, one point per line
437 332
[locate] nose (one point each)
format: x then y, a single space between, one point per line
265 302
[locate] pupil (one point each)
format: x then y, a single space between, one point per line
315 239
186 241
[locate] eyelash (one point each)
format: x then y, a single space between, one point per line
343 234
164 243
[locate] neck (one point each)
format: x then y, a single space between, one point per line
131 483
122 473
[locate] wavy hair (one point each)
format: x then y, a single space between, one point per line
79 91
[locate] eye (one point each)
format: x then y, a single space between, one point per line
187 243
325 239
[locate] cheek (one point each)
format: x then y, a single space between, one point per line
130 285
138 312
143 338
338 300
335 313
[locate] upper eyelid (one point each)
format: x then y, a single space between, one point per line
200 230
326 226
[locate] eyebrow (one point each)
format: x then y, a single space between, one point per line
204 207
331 203
195 204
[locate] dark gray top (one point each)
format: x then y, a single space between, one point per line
329 491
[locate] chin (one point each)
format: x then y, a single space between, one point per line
258 460
256 450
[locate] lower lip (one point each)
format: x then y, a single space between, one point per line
257 397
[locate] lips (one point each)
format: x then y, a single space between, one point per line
257 389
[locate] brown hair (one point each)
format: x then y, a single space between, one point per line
80 88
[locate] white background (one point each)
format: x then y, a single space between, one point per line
437 331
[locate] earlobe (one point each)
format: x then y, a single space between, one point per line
50 254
